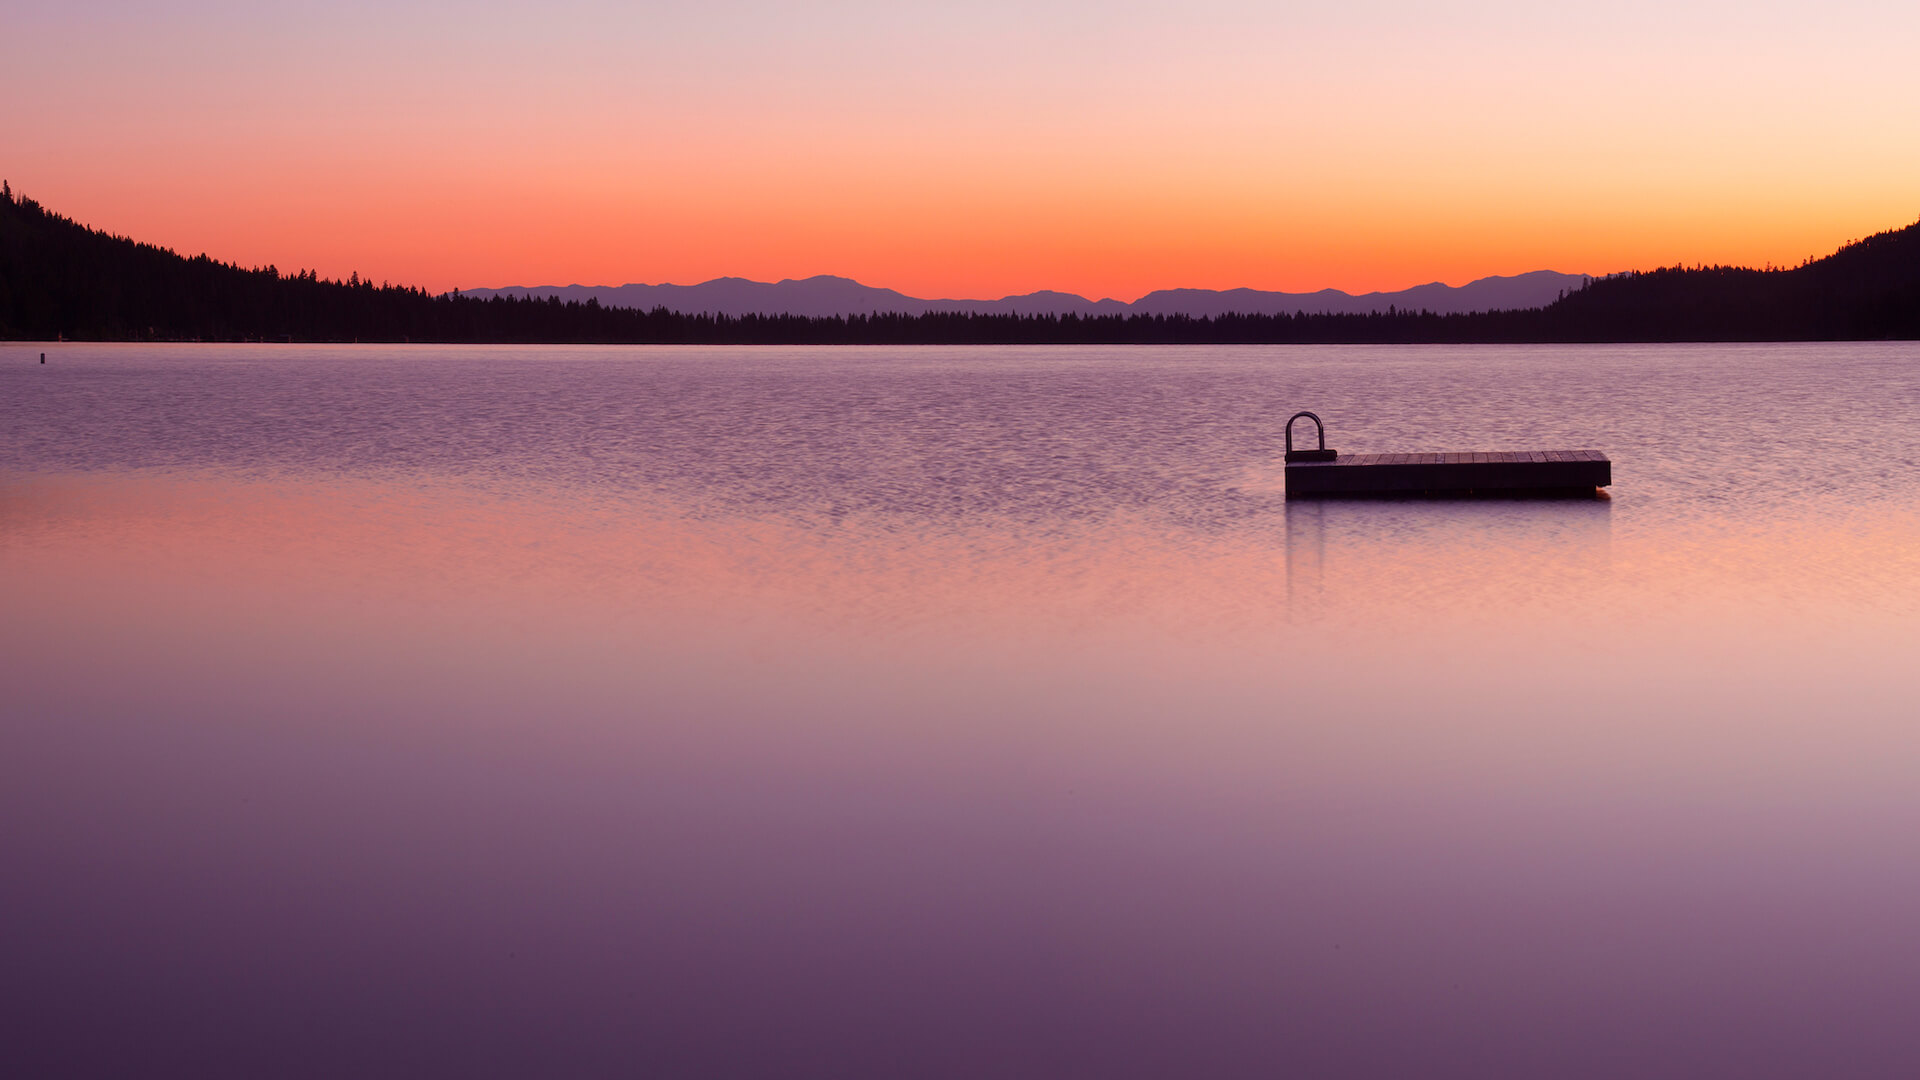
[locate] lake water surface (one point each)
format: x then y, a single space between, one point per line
400 711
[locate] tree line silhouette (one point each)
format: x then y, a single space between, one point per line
62 279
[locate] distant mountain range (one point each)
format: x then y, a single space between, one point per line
827 295
60 279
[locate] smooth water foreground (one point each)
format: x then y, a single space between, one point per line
383 711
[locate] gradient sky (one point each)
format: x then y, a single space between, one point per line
972 149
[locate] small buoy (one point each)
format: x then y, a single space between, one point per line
43 358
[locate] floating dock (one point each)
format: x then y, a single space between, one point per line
1324 472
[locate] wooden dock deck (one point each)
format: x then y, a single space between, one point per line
1498 472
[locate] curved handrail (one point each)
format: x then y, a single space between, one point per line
1317 426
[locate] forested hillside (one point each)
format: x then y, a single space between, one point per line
61 279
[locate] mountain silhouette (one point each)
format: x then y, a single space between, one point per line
827 295
59 278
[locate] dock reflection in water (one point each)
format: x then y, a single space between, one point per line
1374 554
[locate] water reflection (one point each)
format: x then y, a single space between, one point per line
1388 558
621 786
746 739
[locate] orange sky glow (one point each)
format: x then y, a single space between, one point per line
973 150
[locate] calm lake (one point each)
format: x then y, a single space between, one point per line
534 711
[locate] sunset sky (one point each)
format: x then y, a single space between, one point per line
969 150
